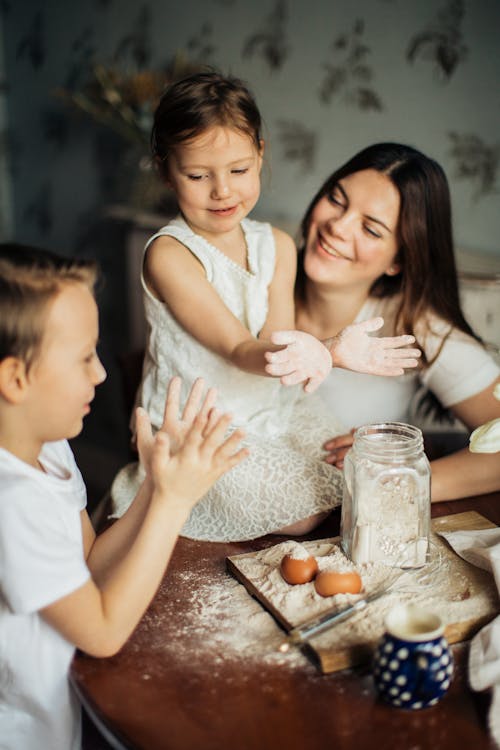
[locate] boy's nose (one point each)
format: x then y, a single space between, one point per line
100 373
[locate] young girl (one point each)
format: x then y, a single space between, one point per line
218 290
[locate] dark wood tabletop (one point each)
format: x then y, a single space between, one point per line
188 680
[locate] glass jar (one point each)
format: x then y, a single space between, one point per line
386 497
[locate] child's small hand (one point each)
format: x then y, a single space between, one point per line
177 428
304 358
203 457
354 349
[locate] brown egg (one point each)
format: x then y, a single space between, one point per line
329 582
296 570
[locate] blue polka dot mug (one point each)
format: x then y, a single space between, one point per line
413 665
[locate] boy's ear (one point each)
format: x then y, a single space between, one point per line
13 379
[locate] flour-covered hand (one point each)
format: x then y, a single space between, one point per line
354 349
303 359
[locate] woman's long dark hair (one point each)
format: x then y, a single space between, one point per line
428 278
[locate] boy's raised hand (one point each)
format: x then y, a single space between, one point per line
177 426
303 360
354 349
203 452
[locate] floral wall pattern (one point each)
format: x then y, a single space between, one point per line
330 77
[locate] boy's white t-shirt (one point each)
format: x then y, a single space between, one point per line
41 560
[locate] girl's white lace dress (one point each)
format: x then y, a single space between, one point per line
284 479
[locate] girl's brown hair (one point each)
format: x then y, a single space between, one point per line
29 279
201 101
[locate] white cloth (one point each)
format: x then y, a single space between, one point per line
462 368
482 548
284 479
41 560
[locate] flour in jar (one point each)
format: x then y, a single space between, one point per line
387 520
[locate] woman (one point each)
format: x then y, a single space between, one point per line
377 240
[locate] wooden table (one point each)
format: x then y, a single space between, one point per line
175 686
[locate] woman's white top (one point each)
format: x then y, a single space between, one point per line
461 369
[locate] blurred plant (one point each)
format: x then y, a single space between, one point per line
124 101
271 39
299 143
33 44
352 75
200 46
475 160
441 41
486 439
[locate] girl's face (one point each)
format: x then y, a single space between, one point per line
216 178
64 376
352 238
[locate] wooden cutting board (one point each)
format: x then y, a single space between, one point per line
464 596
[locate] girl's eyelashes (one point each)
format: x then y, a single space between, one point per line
198 177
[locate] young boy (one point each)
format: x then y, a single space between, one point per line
62 587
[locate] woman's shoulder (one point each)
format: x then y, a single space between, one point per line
459 365
433 331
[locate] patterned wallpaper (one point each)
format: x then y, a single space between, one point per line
330 77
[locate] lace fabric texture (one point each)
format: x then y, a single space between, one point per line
284 479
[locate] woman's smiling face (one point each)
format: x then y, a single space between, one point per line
353 232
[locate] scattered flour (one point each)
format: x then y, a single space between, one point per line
220 623
456 591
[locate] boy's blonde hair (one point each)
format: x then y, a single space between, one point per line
29 279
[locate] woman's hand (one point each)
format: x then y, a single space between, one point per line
354 349
304 359
337 448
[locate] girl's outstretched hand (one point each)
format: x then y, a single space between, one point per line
303 360
354 349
